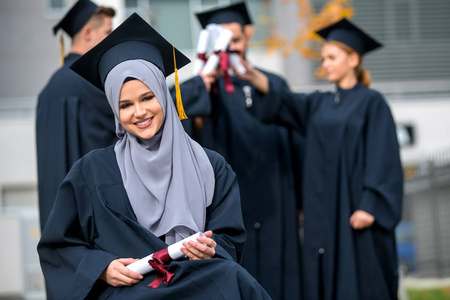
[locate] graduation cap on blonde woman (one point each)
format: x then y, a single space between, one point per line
349 34
133 39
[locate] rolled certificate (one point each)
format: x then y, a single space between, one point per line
213 33
198 65
235 61
220 46
223 40
202 47
212 63
142 266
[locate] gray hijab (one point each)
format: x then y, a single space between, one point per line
168 178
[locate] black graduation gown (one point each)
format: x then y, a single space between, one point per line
351 162
73 117
262 157
93 223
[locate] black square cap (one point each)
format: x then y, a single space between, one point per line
76 17
347 33
233 13
133 39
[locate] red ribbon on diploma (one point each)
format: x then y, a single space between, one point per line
160 261
202 56
224 64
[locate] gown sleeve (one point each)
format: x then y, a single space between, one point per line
74 266
383 180
284 107
224 216
196 99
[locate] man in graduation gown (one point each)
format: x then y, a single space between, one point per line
260 154
73 117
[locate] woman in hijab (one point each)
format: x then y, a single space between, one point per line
153 188
352 177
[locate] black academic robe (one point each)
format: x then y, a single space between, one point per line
262 157
93 223
73 117
352 162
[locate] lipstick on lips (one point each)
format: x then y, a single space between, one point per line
144 123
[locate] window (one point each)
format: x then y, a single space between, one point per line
176 21
55 9
57 4
171 19
415 35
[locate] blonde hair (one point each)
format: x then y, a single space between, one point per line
362 75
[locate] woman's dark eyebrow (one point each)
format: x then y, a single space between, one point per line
146 94
150 93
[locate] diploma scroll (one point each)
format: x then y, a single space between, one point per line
202 47
142 266
213 33
212 63
221 45
235 61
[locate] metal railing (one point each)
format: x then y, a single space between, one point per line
423 236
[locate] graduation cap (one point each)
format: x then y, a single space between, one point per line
233 13
76 17
347 33
133 39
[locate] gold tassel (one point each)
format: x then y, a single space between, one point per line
61 48
180 109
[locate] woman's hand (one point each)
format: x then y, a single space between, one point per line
203 249
257 78
116 274
361 219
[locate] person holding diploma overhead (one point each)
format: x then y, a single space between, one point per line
353 184
153 188
265 157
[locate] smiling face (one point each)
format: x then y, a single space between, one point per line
338 64
139 111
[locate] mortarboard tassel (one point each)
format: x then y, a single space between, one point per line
180 109
61 48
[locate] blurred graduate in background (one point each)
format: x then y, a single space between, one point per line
72 116
352 182
264 156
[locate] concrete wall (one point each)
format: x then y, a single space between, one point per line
431 121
